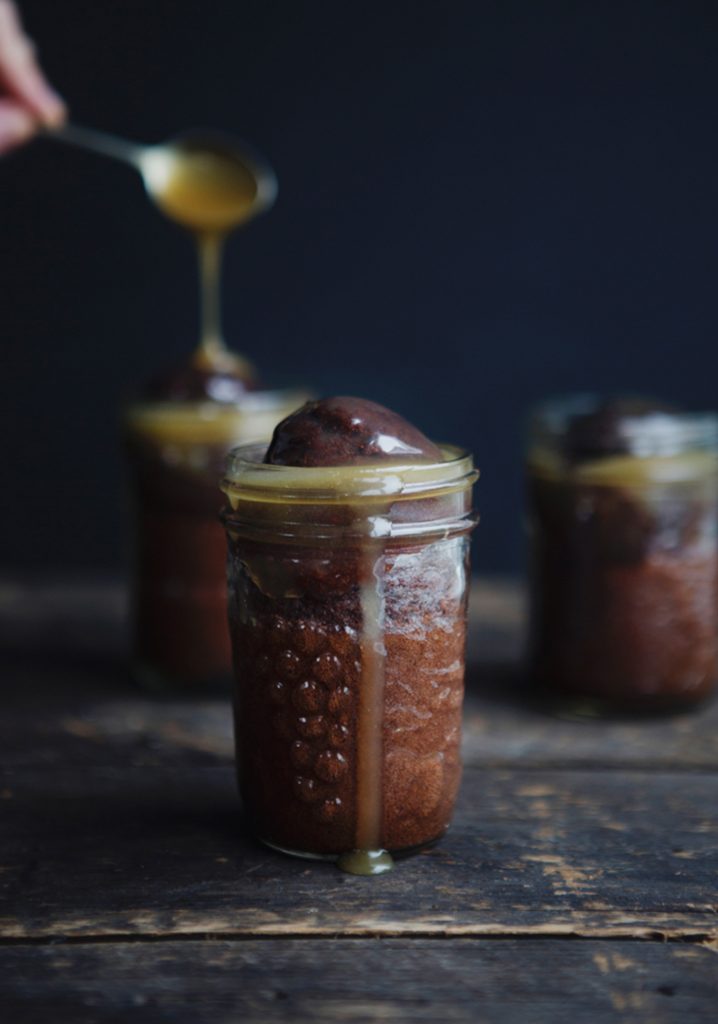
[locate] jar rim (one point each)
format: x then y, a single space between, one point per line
206 420
661 434
248 478
211 408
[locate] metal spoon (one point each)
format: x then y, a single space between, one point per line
207 183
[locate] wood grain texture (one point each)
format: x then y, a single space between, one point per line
88 616
123 840
352 981
64 647
577 883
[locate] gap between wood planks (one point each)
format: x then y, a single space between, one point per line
599 767
708 939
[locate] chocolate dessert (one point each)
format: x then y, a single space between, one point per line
347 431
623 500
192 383
348 625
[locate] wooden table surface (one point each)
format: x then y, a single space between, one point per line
578 882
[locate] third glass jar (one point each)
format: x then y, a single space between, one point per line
622 514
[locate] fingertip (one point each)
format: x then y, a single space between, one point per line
47 106
16 126
54 109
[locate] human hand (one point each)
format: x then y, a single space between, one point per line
26 99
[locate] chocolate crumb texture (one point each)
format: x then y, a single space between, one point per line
298 664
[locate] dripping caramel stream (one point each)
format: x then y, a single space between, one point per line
369 858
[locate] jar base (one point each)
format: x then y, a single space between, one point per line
302 854
572 707
154 680
332 858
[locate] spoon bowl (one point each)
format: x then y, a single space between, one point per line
207 184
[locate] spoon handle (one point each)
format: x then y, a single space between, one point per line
98 142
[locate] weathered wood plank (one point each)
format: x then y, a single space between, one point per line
123 841
510 982
499 729
87 616
118 816
502 727
81 616
504 724
68 665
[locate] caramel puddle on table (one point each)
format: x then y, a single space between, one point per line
369 858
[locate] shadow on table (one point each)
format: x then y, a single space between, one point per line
502 683
85 674
183 839
56 673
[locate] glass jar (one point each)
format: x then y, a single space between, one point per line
347 593
623 514
179 590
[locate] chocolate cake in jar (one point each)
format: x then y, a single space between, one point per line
178 433
348 560
623 515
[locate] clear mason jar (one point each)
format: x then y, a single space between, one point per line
622 516
176 453
347 597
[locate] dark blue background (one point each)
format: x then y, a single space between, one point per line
481 204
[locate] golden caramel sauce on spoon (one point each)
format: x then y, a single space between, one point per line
208 185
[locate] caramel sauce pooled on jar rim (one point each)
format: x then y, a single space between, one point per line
185 425
248 479
651 449
270 499
623 470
